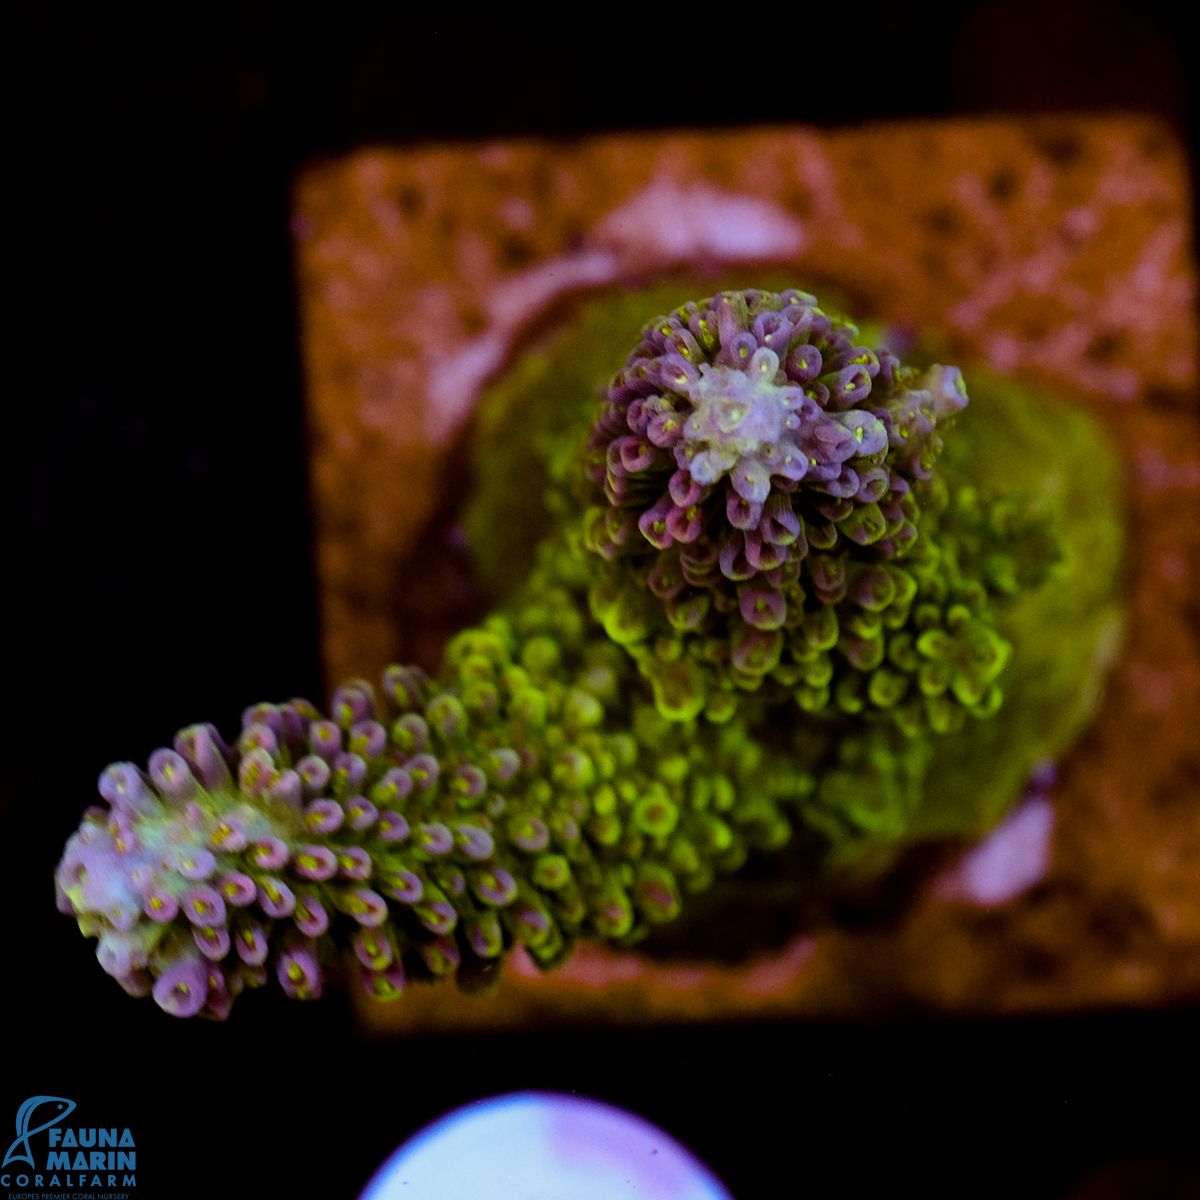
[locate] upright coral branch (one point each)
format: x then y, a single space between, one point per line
776 472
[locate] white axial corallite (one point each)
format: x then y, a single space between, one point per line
742 424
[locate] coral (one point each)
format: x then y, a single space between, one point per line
533 798
754 614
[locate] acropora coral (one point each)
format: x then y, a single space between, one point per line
758 612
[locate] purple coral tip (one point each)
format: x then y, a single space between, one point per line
368 739
182 989
404 886
203 906
529 834
299 972
354 862
195 864
251 942
762 606
424 769
325 739
441 955
324 816
435 839
115 956
137 984
404 686
365 906
360 813
270 715
269 853
486 936
160 906
287 789
257 772
220 1003
353 702
349 773
495 886
948 390
258 737
374 950
438 916
213 942
469 782
275 898
172 776
310 916
204 751
314 862
392 827
228 836
383 985
504 764
395 784
122 786
477 844
314 774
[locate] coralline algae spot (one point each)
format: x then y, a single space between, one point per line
1173 567
518 214
551 1147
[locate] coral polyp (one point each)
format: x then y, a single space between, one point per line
757 614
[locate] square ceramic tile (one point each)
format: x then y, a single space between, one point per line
1057 250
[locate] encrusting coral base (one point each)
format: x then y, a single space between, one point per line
758 618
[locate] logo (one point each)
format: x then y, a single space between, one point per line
24 1116
94 1166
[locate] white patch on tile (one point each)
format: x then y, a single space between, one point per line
521 297
1008 862
661 225
668 223
453 382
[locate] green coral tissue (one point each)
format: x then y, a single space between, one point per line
755 603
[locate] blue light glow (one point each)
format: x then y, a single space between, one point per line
543 1146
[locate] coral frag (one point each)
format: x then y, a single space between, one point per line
759 560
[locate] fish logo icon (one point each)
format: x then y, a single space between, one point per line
24 1133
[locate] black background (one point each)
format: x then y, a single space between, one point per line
157 565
